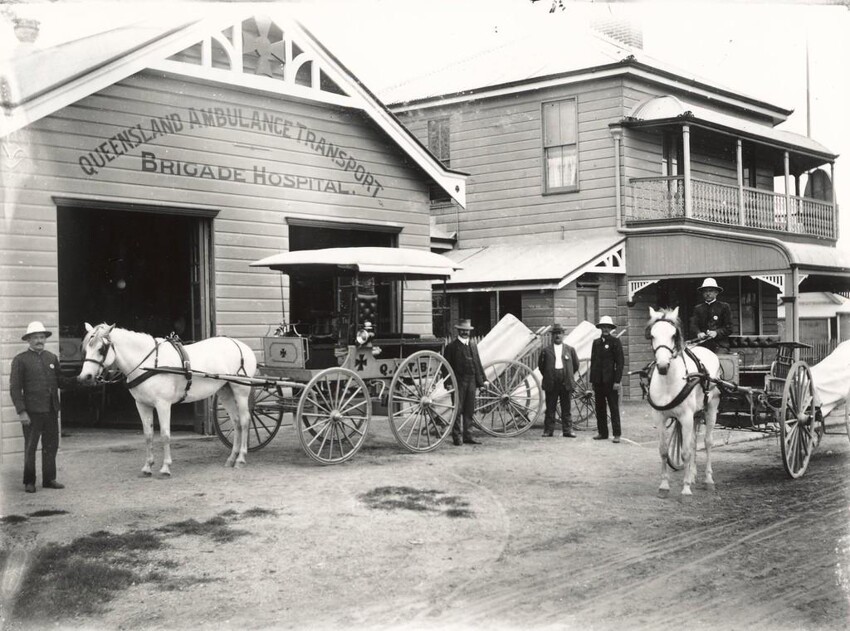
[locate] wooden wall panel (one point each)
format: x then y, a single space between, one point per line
499 142
105 148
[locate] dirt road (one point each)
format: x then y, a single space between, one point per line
512 534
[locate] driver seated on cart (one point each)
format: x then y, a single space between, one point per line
462 355
711 322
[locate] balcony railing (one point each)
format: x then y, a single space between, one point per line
664 198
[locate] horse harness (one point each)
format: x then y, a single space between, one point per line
177 344
701 377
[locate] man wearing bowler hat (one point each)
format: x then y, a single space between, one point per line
34 385
462 355
606 372
557 364
712 320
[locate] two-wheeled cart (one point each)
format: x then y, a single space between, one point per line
788 405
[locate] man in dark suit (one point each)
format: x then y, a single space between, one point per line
606 372
557 364
712 319
462 355
34 386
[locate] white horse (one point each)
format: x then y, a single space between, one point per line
673 394
106 346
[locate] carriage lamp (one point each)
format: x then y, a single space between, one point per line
364 334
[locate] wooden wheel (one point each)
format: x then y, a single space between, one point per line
584 400
422 403
333 415
673 439
797 420
266 406
512 401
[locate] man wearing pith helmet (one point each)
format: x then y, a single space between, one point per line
711 322
606 372
462 355
34 385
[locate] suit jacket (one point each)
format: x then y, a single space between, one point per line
546 365
606 360
34 381
716 316
454 355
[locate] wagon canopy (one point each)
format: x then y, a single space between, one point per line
397 263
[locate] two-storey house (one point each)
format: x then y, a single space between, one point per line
603 182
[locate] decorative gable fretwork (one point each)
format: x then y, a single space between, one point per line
778 281
612 261
264 54
636 285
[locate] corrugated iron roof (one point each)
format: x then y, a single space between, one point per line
539 265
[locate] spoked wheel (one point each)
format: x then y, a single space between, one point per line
584 401
512 401
673 438
266 406
422 404
798 420
333 415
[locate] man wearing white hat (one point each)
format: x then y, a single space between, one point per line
34 385
606 372
712 319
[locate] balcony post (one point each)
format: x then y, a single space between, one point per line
787 160
686 145
739 153
617 133
835 222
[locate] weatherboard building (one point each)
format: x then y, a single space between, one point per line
146 166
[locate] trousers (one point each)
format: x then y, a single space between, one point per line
558 393
465 405
44 426
605 396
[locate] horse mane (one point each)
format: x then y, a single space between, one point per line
98 329
666 315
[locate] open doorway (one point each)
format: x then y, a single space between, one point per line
142 271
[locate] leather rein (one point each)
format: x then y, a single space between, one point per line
701 377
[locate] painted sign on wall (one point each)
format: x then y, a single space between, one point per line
129 138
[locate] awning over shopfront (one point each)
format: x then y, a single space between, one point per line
523 266
684 253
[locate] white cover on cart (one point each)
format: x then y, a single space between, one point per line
831 378
510 337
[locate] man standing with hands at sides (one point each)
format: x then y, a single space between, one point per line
462 355
557 364
711 322
606 372
34 385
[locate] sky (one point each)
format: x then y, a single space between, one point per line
758 49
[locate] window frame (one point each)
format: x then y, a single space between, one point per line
557 190
758 306
585 291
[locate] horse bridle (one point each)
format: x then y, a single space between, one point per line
101 363
104 351
674 352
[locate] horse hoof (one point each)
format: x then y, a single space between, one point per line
686 499
239 465
709 486
147 474
165 474
663 493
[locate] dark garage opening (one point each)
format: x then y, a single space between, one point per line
132 269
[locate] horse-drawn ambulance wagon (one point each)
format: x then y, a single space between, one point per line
330 383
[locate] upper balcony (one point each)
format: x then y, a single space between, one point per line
666 198
729 170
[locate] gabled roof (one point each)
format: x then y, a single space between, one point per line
553 54
38 79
